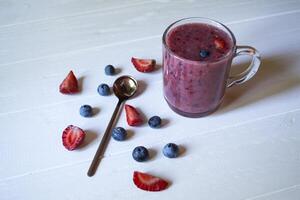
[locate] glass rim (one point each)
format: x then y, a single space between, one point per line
200 18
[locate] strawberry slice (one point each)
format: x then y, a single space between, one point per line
72 137
143 65
219 43
133 117
69 84
148 182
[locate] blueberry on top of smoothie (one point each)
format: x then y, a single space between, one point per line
204 53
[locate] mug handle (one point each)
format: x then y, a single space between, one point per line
250 71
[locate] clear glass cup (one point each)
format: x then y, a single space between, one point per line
196 88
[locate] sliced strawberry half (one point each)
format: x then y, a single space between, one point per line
72 137
69 84
143 65
133 117
148 182
219 43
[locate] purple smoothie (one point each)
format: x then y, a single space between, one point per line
194 84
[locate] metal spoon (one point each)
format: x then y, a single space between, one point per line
124 88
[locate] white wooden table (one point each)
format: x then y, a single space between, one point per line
248 149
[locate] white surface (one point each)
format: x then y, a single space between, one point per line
248 149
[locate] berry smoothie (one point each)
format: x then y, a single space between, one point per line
196 63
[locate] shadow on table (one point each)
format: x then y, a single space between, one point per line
267 82
130 134
182 150
80 83
142 86
152 154
96 111
89 138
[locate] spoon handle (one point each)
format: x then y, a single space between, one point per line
105 139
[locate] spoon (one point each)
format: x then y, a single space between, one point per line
124 88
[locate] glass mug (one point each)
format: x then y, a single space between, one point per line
194 88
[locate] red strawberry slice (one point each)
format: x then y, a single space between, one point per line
148 182
69 84
72 137
219 43
143 65
133 117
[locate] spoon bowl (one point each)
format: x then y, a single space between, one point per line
125 87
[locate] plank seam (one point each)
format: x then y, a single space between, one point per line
203 134
274 192
70 52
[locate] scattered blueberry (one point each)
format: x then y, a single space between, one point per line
204 53
171 150
86 111
140 154
154 122
119 134
103 89
109 70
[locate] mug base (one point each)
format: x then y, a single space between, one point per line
192 115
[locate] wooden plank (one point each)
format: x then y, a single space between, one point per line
14 12
53 37
242 162
40 79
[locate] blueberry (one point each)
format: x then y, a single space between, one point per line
140 154
109 70
171 150
103 89
154 122
119 134
204 53
86 111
